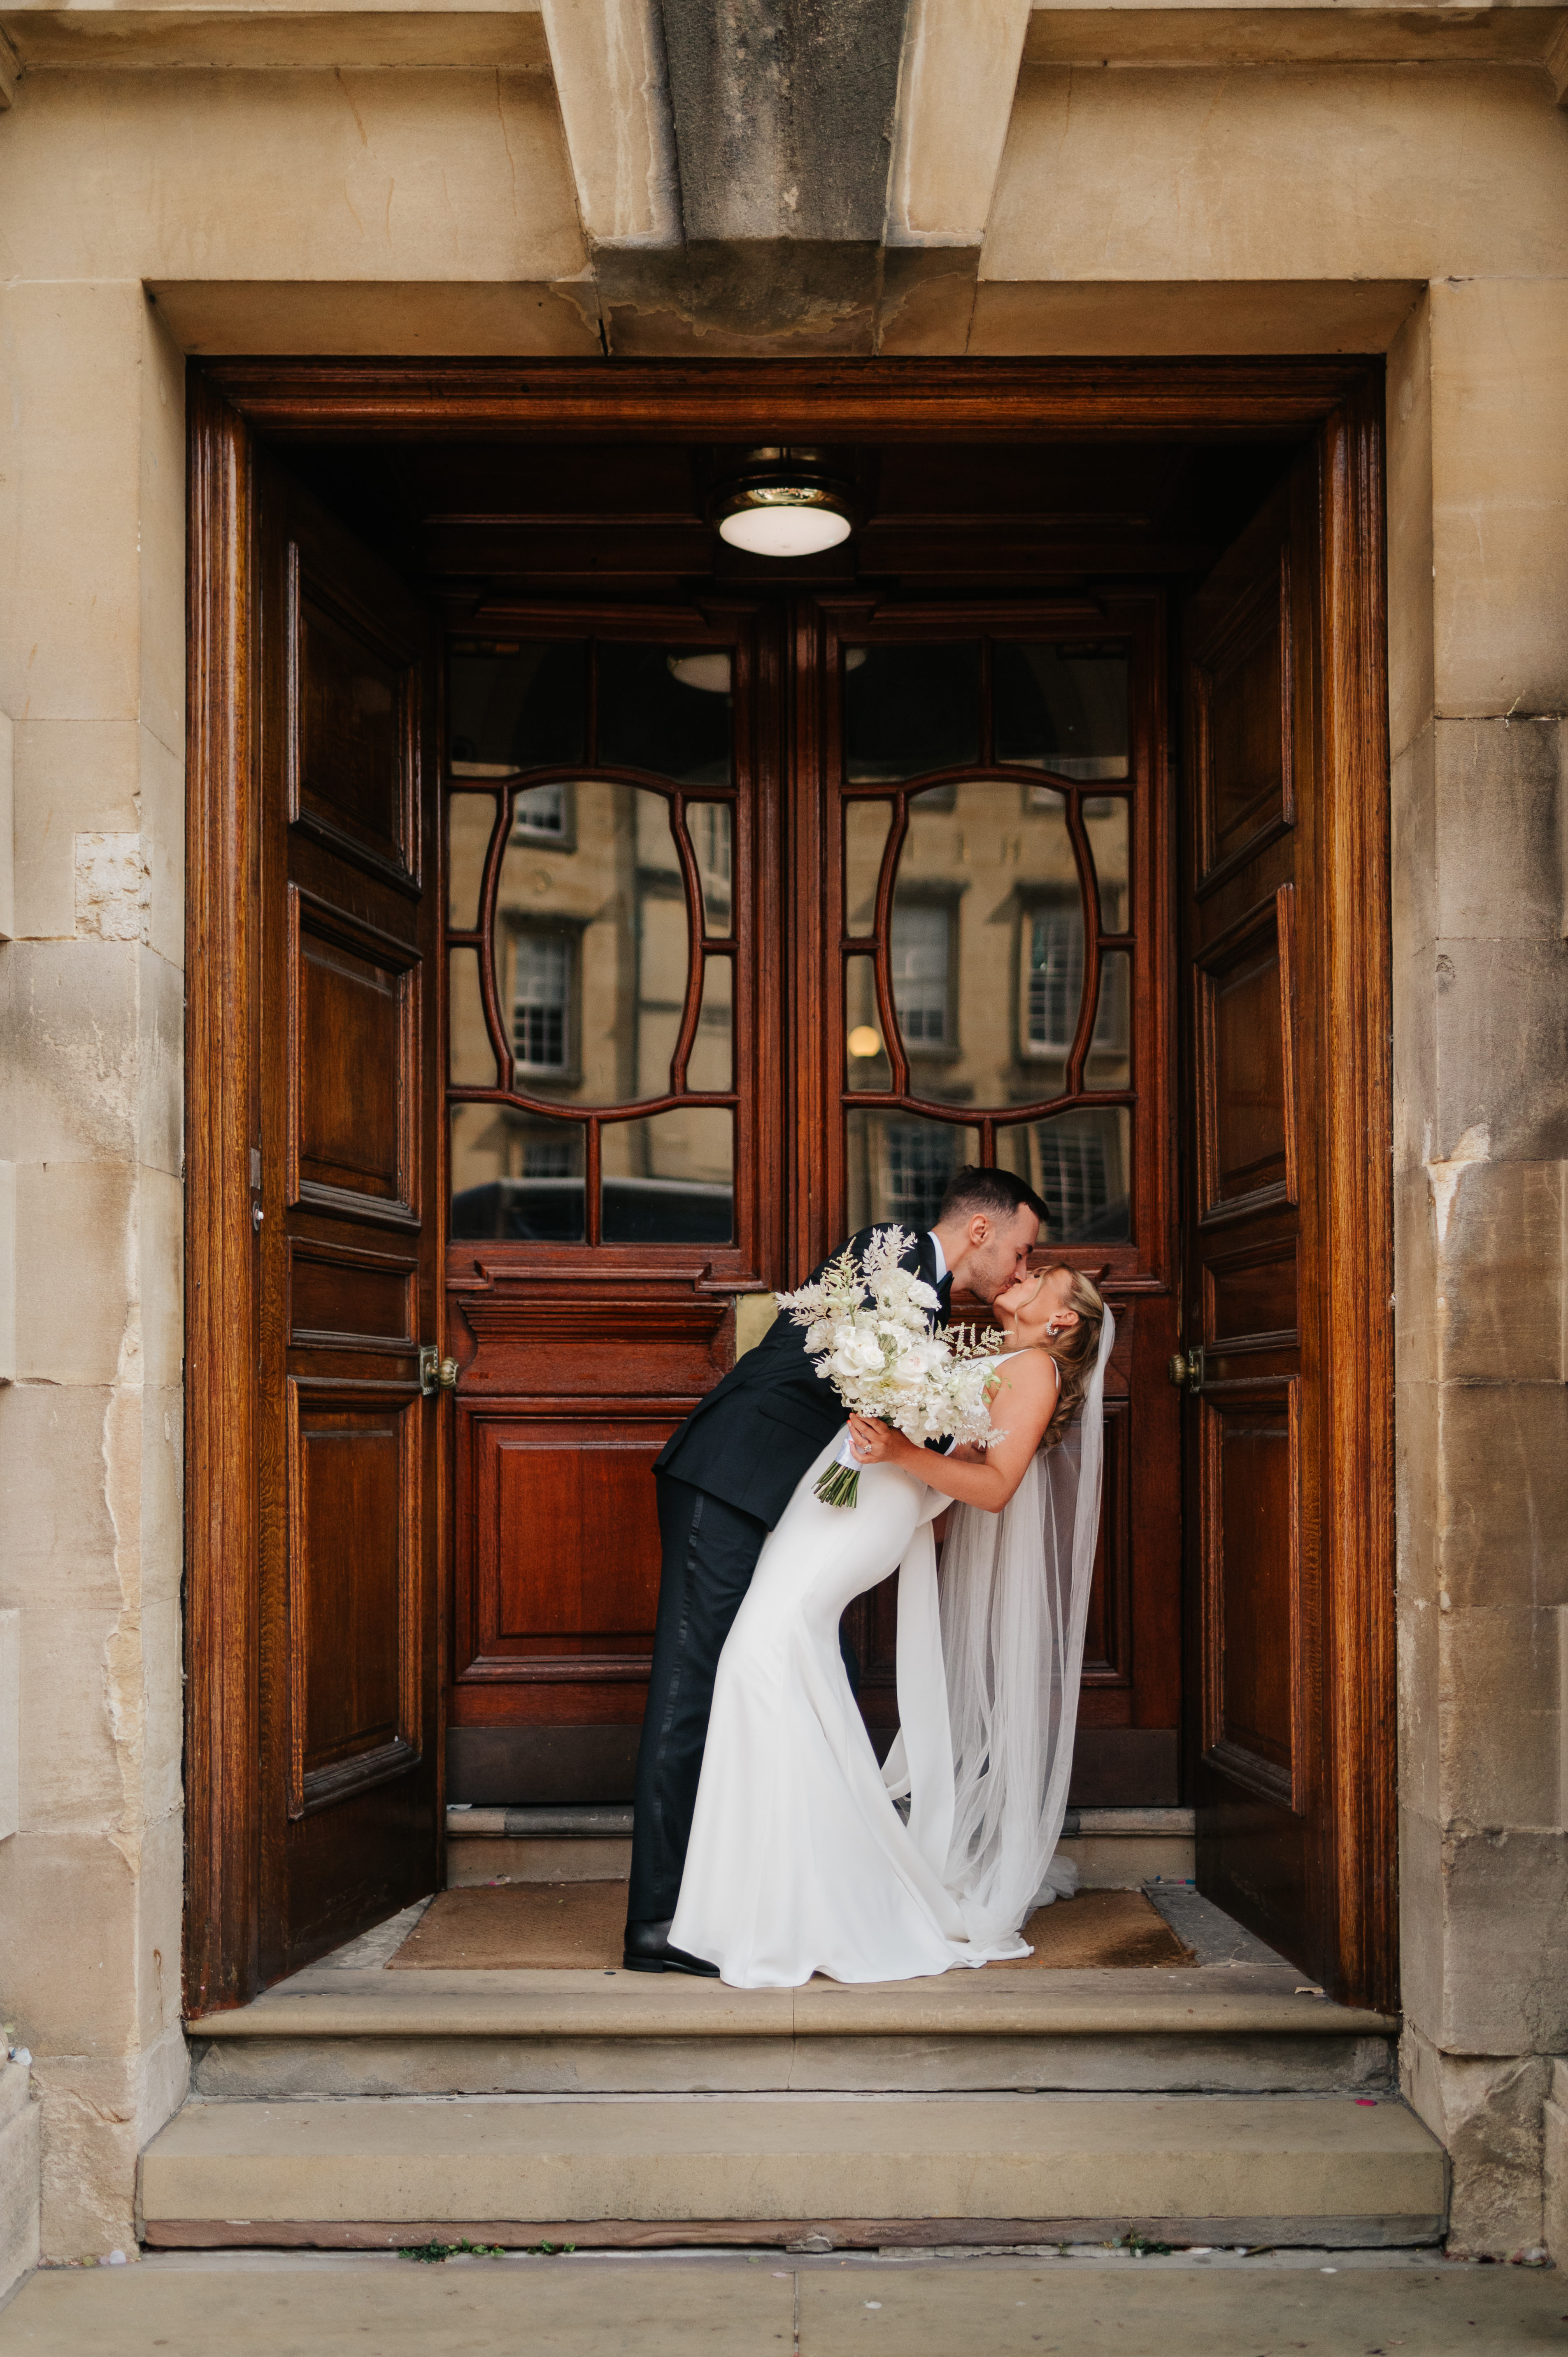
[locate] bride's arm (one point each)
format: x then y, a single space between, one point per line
1023 1404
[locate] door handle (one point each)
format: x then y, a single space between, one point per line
1185 1370
435 1373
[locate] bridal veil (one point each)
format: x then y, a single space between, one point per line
989 1791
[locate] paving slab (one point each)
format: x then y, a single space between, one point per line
261 2306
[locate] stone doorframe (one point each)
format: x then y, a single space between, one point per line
1341 401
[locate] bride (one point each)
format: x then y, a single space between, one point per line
801 1861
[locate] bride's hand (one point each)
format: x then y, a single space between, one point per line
878 1444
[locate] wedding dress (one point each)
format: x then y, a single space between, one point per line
800 1860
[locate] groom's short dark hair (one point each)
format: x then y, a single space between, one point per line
979 1187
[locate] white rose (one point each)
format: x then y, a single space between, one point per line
924 1296
914 1366
856 1355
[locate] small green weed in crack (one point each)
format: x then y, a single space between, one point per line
431 2254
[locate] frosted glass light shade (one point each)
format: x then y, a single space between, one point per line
782 526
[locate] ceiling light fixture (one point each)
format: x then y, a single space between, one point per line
783 500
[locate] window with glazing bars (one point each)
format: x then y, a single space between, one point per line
541 1003
918 960
541 810
921 1158
1056 978
1072 1172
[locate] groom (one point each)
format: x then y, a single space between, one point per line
724 1479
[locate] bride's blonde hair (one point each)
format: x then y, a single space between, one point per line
1075 1353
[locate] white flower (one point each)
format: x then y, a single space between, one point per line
924 1296
914 1366
857 1354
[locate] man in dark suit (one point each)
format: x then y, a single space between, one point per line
724 1479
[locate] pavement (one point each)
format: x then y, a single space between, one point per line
1283 2304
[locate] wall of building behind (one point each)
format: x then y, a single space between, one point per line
405 185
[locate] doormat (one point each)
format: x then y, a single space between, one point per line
577 1926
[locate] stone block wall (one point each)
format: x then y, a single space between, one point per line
1478 581
92 681
18 2172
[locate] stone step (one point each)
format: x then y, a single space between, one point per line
845 2169
347 2032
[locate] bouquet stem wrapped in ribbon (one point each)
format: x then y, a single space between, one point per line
868 1332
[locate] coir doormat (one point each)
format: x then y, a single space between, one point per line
577 1926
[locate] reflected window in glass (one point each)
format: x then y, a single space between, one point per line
1062 708
515 706
899 1165
920 960
542 1001
1055 976
542 814
1083 1167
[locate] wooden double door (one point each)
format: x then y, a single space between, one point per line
611 965
762 917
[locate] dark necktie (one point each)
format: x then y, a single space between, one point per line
944 1297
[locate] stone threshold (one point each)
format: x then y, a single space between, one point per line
1113 1849
327 2001
473 1820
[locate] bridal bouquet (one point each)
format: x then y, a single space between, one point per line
867 1328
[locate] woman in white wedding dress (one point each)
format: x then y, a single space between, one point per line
800 1860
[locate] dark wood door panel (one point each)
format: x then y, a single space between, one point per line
1245 1073
565 1539
345 1170
1251 1476
356 1549
355 1093
344 1298
354 756
1253 1243
1251 1299
1242 687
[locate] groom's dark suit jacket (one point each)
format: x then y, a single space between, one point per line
754 1435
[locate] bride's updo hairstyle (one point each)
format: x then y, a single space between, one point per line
1075 1353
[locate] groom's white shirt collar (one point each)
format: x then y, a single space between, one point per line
941 1256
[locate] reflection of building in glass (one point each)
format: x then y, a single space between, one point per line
591 956
987 948
921 1157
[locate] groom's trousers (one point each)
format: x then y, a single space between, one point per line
710 1551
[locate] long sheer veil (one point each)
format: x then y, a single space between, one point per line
1015 1601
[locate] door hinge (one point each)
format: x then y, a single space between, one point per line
435 1373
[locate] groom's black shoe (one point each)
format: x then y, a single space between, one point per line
648 1950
